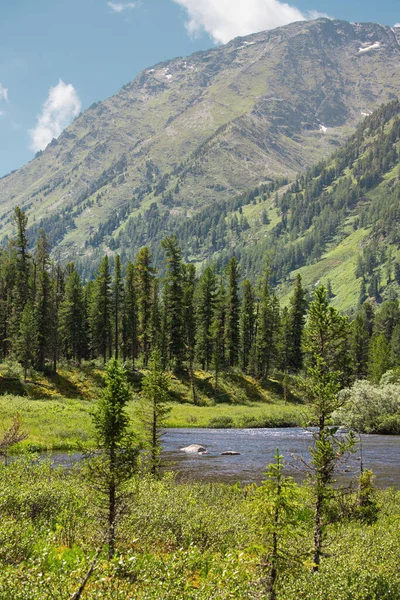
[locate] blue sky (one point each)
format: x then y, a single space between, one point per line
59 56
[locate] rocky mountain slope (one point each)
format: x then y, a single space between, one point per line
337 224
195 132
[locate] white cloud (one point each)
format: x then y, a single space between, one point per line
119 7
59 110
3 93
226 19
315 14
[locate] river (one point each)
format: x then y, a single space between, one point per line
381 453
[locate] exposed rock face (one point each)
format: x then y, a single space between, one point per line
198 130
195 449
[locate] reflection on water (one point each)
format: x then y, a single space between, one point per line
381 453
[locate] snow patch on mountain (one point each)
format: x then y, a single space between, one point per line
373 46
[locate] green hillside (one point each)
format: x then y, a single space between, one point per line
343 216
337 222
193 133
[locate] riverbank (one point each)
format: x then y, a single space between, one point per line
56 409
253 450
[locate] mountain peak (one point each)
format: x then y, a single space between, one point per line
194 131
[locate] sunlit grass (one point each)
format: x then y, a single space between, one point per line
56 410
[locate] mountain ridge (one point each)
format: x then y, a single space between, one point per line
192 132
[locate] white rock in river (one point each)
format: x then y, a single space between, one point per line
195 449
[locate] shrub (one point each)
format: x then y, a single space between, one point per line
221 422
370 408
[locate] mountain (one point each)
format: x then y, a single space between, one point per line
337 224
193 133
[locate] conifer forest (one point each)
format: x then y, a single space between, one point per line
118 524
200 316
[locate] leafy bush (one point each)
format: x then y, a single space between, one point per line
183 541
221 422
370 408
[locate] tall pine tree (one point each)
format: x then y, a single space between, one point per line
247 323
189 322
218 329
144 279
130 316
43 300
101 311
118 299
232 332
173 301
205 300
296 320
74 339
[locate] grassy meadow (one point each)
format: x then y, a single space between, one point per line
56 409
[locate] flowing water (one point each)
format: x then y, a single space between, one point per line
381 453
257 448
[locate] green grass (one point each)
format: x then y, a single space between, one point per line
56 410
49 424
338 264
224 416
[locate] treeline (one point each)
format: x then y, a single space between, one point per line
215 321
48 314
315 207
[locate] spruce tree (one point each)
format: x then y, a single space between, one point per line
321 391
232 331
173 300
7 288
284 349
23 262
387 318
276 507
58 290
363 293
22 288
326 329
89 292
158 327
117 463
247 323
130 316
328 335
145 300
205 300
101 311
73 327
359 347
329 289
189 322
267 330
296 320
218 329
43 300
118 299
154 408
